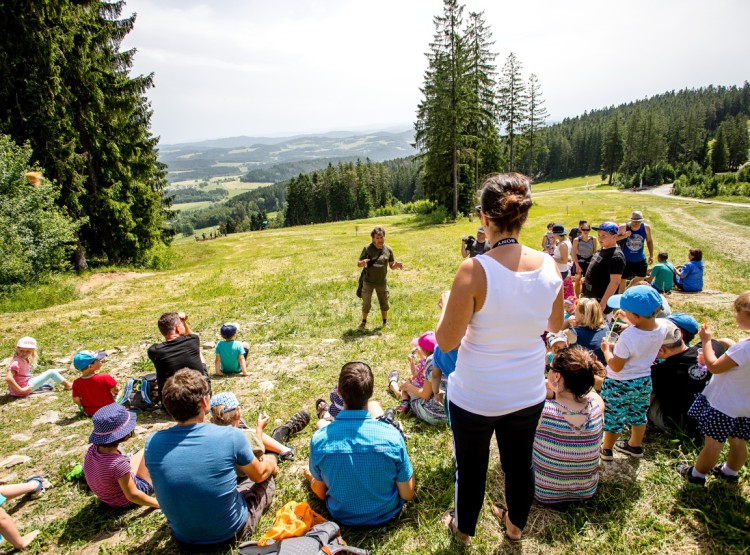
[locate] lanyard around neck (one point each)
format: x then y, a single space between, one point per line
506 241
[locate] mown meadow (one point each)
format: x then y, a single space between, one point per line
292 292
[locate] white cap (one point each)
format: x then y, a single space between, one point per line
26 343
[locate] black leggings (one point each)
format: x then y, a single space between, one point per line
472 434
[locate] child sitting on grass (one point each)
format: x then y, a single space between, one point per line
92 391
34 487
627 387
425 346
662 275
231 355
20 382
225 411
117 480
722 411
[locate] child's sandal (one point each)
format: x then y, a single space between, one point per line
321 407
41 487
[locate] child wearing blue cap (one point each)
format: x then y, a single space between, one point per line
627 387
231 355
92 391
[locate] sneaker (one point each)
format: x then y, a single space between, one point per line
686 471
624 447
403 407
392 377
389 415
607 455
718 471
296 423
288 456
362 325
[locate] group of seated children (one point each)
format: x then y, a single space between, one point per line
663 276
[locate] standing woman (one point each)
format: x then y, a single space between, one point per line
499 305
584 247
561 254
376 258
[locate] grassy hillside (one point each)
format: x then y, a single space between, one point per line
292 292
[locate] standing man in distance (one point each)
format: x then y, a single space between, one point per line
480 246
180 349
604 274
376 258
632 237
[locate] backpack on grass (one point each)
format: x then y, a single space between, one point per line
321 539
141 394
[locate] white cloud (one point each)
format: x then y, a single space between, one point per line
225 67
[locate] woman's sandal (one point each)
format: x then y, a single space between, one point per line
500 513
321 407
449 522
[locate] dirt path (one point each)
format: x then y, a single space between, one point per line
666 191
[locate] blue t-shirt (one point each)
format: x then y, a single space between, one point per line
3 499
360 459
445 362
591 340
193 473
632 246
693 280
229 352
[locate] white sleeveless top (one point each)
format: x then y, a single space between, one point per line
500 367
564 265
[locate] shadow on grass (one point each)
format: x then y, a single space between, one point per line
721 510
96 522
354 334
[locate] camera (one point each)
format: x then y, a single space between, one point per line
469 241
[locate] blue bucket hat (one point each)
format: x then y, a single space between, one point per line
111 423
643 301
84 359
226 398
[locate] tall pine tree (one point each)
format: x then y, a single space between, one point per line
66 89
537 116
612 147
513 106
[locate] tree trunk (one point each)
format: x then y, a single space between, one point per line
79 257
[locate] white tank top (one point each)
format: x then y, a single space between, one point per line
500 366
563 265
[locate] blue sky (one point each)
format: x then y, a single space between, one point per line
248 67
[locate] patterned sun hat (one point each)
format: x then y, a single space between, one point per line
111 423
226 398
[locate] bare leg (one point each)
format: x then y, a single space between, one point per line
11 491
322 423
737 453
393 386
138 466
609 440
577 285
709 455
636 435
384 314
271 444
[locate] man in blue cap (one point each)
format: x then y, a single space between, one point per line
604 274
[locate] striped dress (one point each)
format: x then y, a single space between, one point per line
566 458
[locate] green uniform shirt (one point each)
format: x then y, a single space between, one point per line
377 269
663 273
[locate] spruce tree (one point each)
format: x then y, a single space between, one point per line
443 114
720 151
612 147
66 89
513 106
537 116
482 74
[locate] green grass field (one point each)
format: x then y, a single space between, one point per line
292 292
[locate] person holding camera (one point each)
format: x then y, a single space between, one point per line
376 258
472 247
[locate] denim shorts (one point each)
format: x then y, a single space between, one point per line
625 403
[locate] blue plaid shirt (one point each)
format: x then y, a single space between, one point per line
360 459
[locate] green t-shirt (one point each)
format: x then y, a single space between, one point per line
229 351
377 270
663 273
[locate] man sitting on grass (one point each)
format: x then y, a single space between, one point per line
192 467
359 465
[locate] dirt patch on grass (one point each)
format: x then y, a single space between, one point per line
98 280
709 298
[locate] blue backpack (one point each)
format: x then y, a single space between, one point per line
140 394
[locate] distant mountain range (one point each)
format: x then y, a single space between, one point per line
237 155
